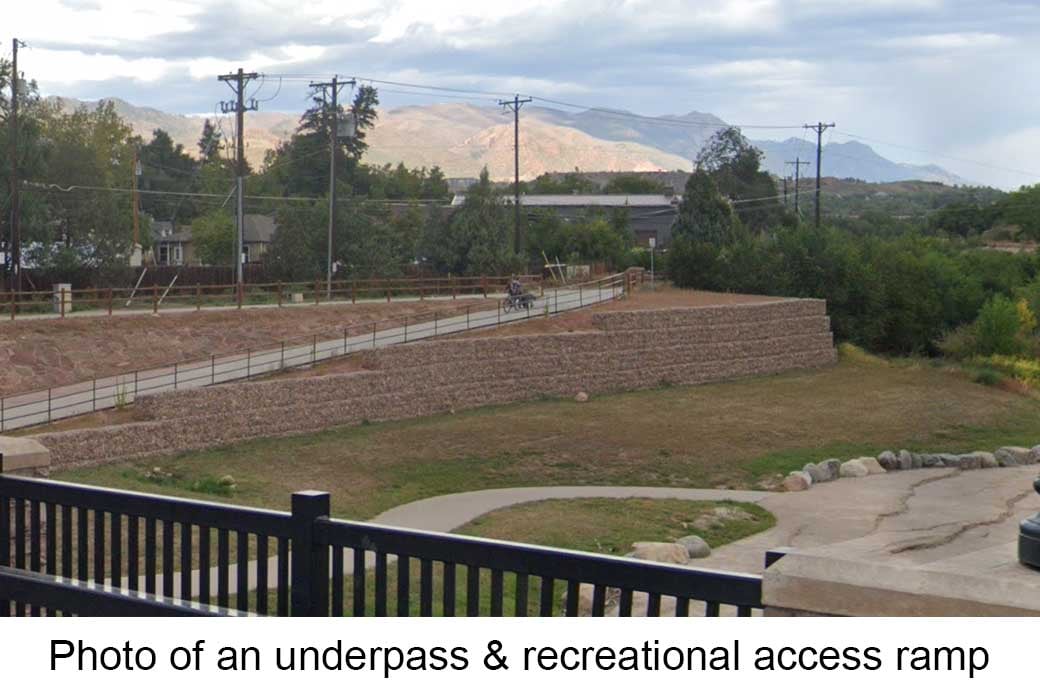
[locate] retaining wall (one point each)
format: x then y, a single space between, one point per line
635 350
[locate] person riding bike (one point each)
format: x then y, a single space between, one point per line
515 288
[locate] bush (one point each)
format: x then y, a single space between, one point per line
960 343
997 327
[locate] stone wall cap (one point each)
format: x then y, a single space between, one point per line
21 453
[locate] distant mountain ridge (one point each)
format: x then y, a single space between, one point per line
462 138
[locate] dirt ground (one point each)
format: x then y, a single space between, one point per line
664 297
44 353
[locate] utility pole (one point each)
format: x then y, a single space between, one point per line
797 175
514 106
136 202
15 246
330 93
819 128
237 81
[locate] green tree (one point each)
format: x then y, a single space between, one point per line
733 163
478 238
213 236
209 143
997 327
704 215
635 184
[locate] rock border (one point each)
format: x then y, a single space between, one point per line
890 462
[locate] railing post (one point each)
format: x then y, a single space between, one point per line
62 300
344 340
279 293
373 334
212 369
314 348
198 297
48 405
353 291
406 329
310 560
175 370
249 362
467 318
483 284
155 299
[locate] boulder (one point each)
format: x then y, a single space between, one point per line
833 466
872 465
950 460
586 595
888 460
986 459
854 469
1011 456
916 461
581 397
818 473
796 481
672 553
930 461
906 460
696 547
969 462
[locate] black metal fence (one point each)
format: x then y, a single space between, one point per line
67 548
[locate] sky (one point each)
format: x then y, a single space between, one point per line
950 82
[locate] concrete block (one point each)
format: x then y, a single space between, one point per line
21 454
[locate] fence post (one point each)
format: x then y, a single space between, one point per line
467 318
14 304
62 299
353 291
212 369
48 405
483 284
581 302
198 297
249 361
109 301
454 287
314 349
310 560
317 291
281 361
435 323
155 299
406 329
373 334
388 294
238 292
344 340
175 370
93 395
498 321
135 385
279 293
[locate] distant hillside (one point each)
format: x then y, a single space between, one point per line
847 160
462 138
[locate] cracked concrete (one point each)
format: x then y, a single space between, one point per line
911 518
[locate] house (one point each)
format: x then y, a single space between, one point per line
173 243
648 215
257 234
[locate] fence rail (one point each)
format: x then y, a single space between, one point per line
156 297
105 545
42 406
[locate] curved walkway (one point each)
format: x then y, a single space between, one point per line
449 512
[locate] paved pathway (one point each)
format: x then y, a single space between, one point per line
76 399
916 517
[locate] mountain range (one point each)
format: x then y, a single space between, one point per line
463 138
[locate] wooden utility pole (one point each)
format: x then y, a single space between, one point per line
237 81
514 106
330 97
819 128
15 246
797 176
136 202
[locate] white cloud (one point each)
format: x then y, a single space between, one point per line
1008 160
951 41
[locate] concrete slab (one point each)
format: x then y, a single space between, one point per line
22 454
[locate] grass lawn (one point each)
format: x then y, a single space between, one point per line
739 434
602 525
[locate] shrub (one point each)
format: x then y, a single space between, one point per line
997 327
960 343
